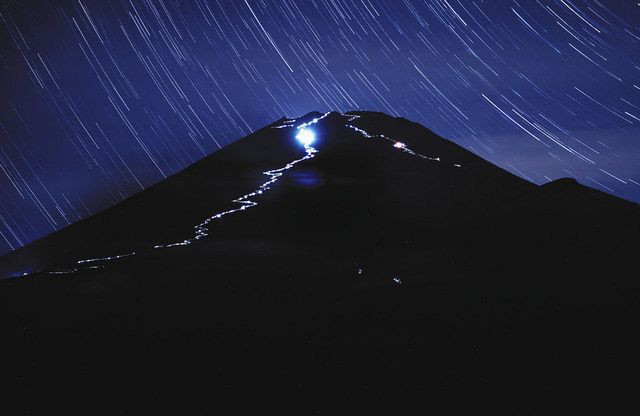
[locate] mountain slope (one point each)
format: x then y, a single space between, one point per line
391 266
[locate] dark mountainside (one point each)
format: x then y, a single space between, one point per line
366 278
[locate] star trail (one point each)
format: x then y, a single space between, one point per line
102 99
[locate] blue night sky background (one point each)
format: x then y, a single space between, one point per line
101 99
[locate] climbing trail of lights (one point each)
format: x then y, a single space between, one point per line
202 229
246 201
106 258
396 144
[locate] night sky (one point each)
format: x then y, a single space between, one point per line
101 99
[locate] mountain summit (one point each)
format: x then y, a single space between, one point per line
342 256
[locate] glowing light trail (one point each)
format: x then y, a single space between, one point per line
305 136
396 144
202 229
106 258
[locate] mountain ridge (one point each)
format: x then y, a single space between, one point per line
236 166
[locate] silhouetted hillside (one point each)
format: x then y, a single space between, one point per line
391 269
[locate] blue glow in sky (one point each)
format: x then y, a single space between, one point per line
102 99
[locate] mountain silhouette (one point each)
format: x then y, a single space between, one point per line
379 267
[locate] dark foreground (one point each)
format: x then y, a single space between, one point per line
450 348
509 299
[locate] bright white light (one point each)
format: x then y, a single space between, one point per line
399 145
306 137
